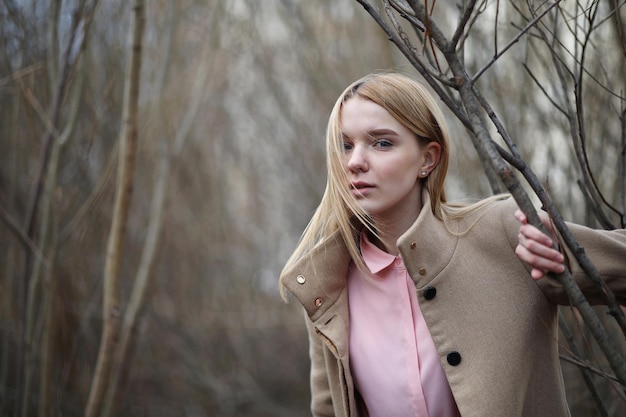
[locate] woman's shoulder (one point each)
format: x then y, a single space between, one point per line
490 219
470 211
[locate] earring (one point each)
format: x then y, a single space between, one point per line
423 173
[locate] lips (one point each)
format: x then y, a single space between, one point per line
360 187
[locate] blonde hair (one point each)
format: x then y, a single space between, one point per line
411 104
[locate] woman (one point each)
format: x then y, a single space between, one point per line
415 306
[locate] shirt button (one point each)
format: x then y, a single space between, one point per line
430 293
300 279
454 358
318 302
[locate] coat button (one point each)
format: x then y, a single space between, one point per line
413 245
454 358
430 292
318 302
300 279
422 271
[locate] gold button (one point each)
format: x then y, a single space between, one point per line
413 245
422 271
318 302
301 279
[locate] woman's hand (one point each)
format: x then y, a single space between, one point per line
535 248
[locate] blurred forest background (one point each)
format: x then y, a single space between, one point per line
233 100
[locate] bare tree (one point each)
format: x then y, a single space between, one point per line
40 245
567 33
201 327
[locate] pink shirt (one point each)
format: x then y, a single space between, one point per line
393 359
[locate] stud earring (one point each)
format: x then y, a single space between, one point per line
423 173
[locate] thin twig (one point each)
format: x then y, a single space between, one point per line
513 41
460 29
544 91
581 142
23 72
428 75
585 368
15 228
407 14
622 169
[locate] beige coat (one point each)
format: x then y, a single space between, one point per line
495 328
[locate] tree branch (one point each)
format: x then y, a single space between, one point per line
124 188
460 28
489 154
513 41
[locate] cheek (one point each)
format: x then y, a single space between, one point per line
405 170
401 180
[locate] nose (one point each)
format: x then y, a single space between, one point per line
357 160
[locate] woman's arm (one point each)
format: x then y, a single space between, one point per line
606 249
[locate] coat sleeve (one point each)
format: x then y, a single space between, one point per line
606 250
321 400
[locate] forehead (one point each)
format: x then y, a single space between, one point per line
361 115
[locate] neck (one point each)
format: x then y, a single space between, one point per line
390 230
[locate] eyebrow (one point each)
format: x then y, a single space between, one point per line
381 132
375 133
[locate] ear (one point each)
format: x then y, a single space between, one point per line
432 154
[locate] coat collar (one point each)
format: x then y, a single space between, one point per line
428 245
318 279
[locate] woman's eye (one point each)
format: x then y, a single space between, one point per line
347 146
382 143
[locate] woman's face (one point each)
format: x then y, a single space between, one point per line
383 161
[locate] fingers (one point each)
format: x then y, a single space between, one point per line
542 259
535 248
534 236
521 217
537 273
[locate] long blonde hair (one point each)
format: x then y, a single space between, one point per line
411 104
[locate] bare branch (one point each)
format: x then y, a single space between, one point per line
489 152
580 140
544 91
15 228
429 77
406 13
513 41
465 18
583 260
622 168
585 369
128 148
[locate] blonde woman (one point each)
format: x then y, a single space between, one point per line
415 306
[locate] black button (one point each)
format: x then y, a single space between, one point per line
430 292
454 358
